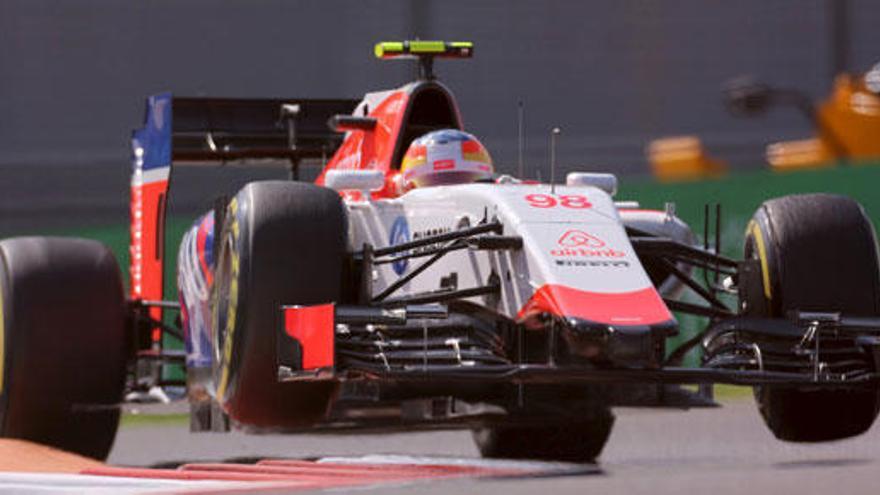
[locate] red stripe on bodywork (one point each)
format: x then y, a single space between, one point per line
147 243
641 307
312 327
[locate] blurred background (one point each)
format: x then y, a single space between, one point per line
612 74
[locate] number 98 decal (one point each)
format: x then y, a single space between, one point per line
574 201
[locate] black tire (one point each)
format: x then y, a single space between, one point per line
818 252
287 240
62 324
568 441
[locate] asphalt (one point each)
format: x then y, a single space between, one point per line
726 450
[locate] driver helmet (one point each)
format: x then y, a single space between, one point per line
447 156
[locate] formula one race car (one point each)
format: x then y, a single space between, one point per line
412 287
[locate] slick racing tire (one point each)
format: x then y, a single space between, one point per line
817 252
570 441
282 243
62 343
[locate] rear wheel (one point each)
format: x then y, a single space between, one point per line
817 252
62 343
572 441
282 243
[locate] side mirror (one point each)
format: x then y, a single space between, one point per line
360 180
345 123
605 182
746 96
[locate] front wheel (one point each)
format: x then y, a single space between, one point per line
282 243
569 441
816 252
62 343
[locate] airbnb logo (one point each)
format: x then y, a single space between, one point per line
579 238
579 244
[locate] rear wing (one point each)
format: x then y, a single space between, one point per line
220 130
213 131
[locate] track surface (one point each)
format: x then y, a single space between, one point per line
720 451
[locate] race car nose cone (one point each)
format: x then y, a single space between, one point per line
636 346
632 346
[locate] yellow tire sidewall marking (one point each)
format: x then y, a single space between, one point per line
229 333
755 230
